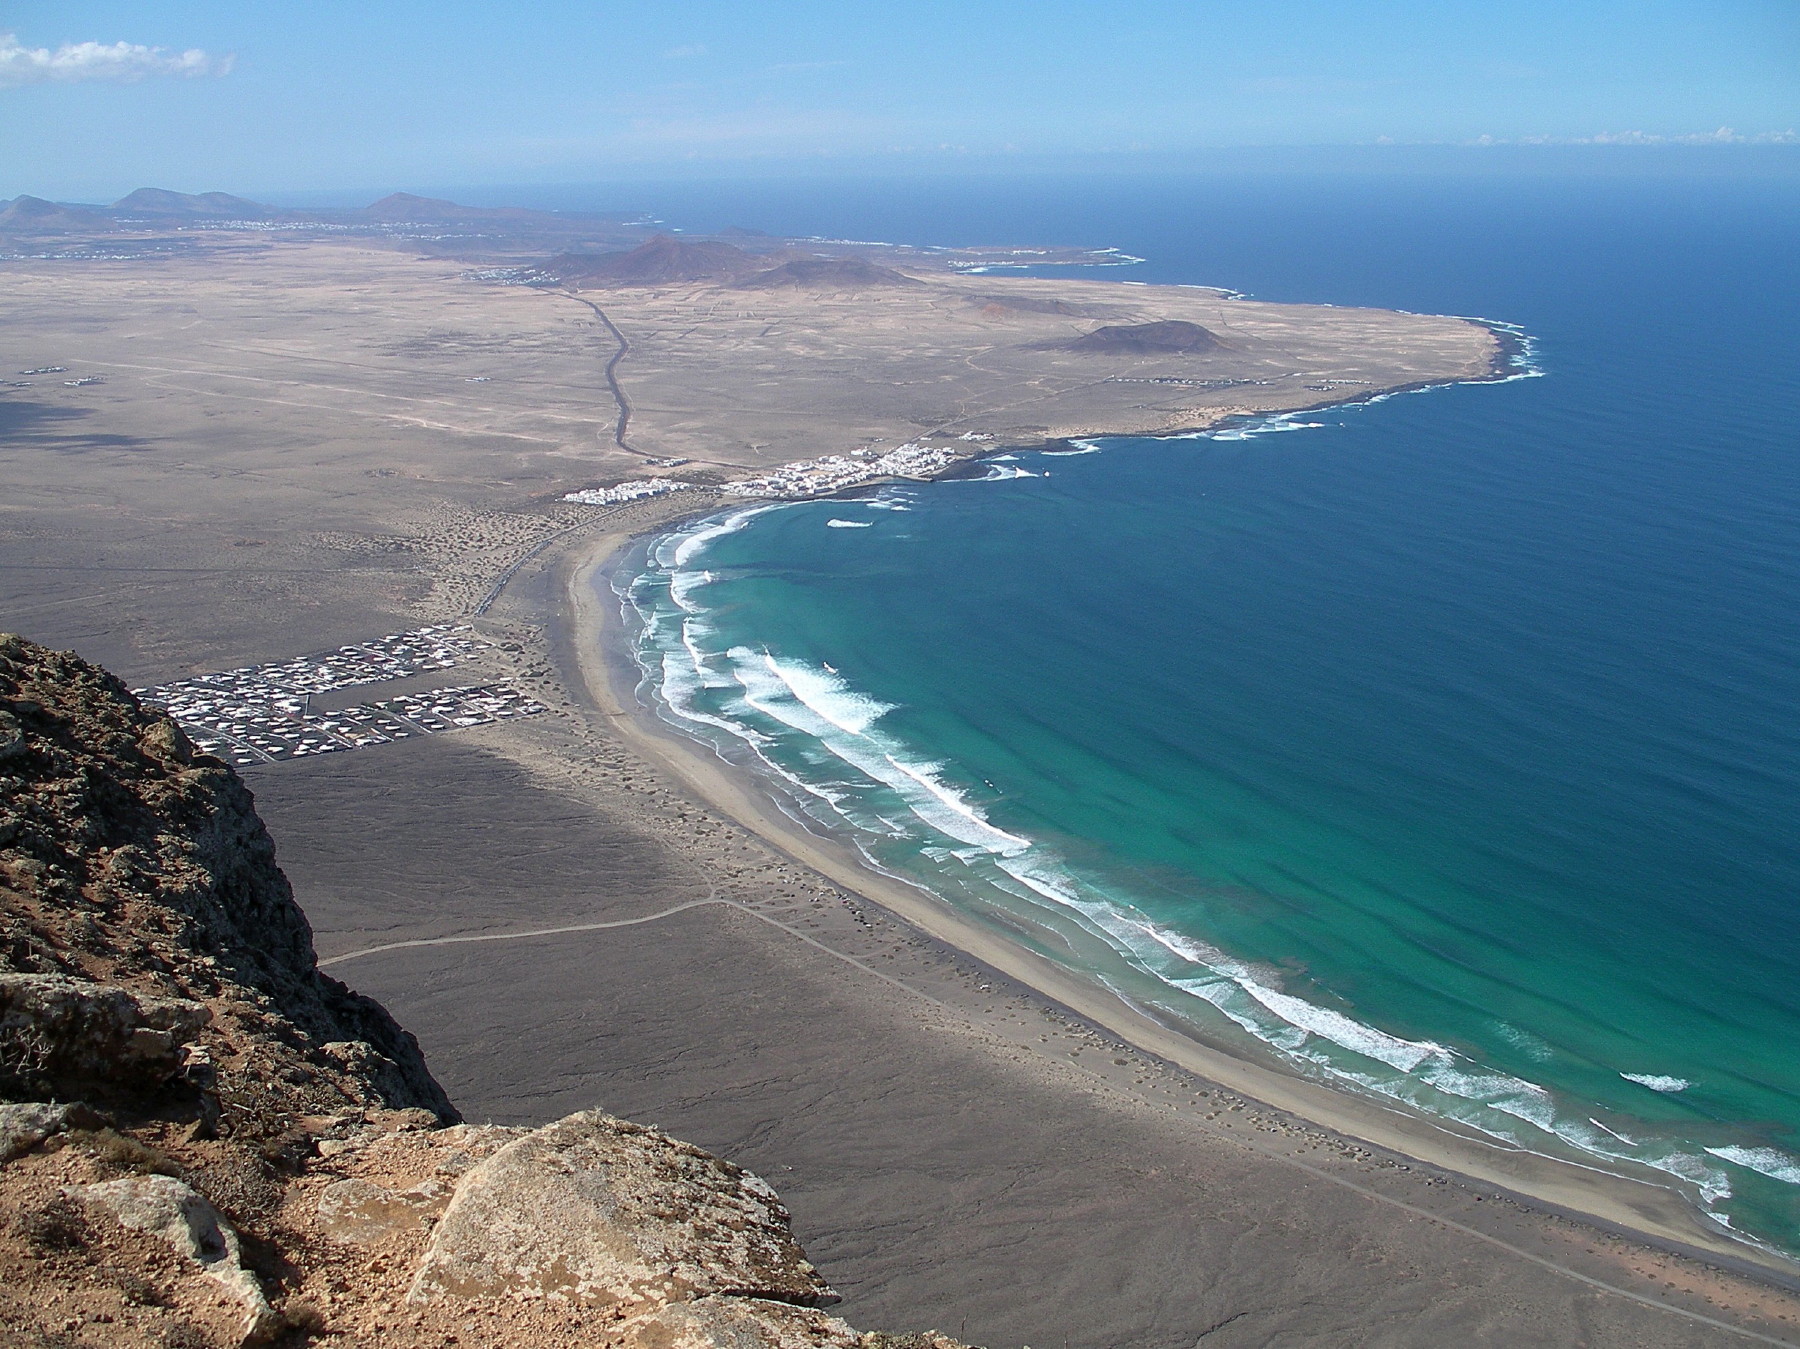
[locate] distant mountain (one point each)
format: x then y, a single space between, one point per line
404 206
661 259
1168 337
157 201
827 274
34 215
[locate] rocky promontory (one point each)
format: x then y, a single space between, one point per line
206 1141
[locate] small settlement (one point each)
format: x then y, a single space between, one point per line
264 713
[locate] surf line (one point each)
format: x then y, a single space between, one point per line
1319 1173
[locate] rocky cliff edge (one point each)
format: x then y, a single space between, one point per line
206 1141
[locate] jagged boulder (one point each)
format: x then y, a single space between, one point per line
596 1210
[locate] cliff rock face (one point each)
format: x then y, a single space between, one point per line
205 1141
128 861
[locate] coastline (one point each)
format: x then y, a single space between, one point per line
591 643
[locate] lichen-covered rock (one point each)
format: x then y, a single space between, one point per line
170 1209
596 1210
69 1035
24 1125
738 1323
361 1211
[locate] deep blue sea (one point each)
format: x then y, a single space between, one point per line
1445 749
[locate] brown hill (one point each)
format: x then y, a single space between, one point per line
827 274
659 260
1167 337
34 215
403 207
157 201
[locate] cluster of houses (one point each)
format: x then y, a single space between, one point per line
838 472
635 490
265 713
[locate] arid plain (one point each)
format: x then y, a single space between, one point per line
296 445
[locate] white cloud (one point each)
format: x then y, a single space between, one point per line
1723 136
121 62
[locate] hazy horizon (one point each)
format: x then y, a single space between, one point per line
104 97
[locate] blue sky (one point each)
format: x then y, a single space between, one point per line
270 97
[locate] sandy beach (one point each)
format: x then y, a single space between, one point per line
766 978
596 642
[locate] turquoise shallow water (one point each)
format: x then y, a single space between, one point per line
1444 749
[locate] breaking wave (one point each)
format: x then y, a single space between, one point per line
827 749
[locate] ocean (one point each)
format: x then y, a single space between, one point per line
1445 748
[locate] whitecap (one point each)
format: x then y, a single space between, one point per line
849 524
829 696
1344 1031
839 720
1657 1082
688 546
1769 1162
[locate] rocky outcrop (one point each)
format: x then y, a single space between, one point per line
175 1212
141 909
597 1210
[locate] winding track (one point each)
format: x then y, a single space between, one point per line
612 377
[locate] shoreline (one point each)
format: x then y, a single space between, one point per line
590 642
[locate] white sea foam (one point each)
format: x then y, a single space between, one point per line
1628 1142
689 546
849 524
683 584
781 690
828 695
1065 454
1002 472
1344 1031
1657 1082
1537 1048
1267 426
1767 1161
